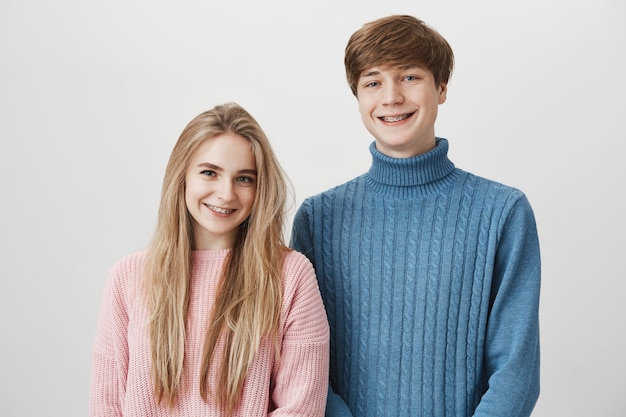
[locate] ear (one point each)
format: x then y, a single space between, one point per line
443 93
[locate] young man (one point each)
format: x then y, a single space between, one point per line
430 275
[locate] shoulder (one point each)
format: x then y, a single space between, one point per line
296 264
339 192
130 264
126 274
505 205
298 272
495 191
340 189
121 292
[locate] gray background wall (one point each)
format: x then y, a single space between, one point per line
93 95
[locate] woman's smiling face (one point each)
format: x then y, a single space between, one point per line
220 189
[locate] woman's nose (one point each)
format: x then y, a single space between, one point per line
225 190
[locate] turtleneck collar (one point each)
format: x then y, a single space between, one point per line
410 177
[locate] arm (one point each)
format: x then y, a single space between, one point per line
512 338
106 376
301 233
336 406
302 241
300 379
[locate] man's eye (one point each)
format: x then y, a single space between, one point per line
411 78
372 84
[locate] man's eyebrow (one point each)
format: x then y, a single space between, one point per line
370 73
375 72
413 67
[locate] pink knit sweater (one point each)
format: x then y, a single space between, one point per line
121 383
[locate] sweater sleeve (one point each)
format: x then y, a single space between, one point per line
300 378
108 373
512 338
302 241
301 234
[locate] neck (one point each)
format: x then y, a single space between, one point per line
410 150
410 177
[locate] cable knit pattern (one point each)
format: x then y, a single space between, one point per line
297 386
430 276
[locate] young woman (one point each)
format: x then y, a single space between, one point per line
217 317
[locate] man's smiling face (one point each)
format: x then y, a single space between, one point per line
399 106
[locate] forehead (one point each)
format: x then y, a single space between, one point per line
226 150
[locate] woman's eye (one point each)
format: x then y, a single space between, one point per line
245 180
208 173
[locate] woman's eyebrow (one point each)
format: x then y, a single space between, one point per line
211 166
214 167
247 171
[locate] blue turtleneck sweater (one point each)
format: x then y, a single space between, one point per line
430 276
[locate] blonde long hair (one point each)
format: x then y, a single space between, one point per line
248 302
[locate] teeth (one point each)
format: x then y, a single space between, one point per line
395 118
220 210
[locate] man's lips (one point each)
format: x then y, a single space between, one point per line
394 119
